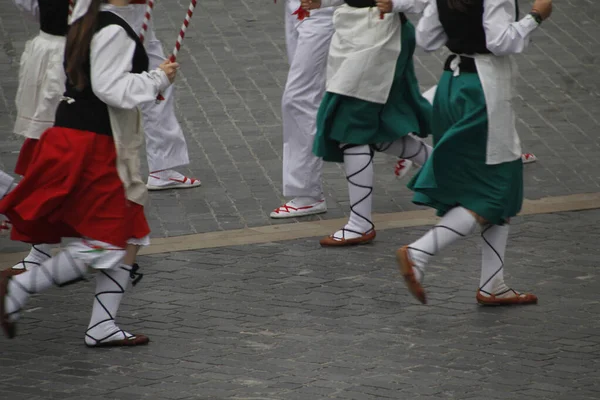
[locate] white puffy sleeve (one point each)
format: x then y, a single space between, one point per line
331 3
111 54
29 6
409 6
430 33
504 35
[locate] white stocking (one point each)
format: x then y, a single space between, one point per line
408 147
456 224
111 285
67 267
60 270
358 163
38 254
494 238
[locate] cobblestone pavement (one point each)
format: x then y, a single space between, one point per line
290 320
293 321
228 102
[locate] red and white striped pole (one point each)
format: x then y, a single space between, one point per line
184 26
147 17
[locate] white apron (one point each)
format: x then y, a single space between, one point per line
498 80
363 53
129 138
41 84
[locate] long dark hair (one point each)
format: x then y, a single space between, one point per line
78 45
460 5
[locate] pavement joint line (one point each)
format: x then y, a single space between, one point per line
302 230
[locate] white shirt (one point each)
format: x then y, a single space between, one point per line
29 6
503 35
407 6
111 56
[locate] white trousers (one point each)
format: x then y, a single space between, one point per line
166 147
307 47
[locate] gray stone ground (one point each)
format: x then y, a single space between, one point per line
294 321
228 103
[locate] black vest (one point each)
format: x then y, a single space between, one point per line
88 112
370 3
465 28
54 16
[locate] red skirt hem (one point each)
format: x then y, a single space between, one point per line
71 188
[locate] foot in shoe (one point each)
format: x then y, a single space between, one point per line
505 296
300 207
109 334
347 237
528 158
170 179
402 168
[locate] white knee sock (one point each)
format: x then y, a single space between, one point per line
358 163
60 270
494 238
456 224
111 285
408 147
38 254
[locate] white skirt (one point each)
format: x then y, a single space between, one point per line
41 84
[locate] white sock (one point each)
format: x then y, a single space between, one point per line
167 174
408 147
358 163
494 238
111 285
37 255
456 224
59 270
304 201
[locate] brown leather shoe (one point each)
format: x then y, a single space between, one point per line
135 340
406 267
330 241
517 299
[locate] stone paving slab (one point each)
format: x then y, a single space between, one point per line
291 320
228 103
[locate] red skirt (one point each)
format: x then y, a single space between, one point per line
71 188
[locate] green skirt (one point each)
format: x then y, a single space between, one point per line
345 119
456 173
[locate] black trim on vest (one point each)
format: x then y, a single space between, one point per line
371 3
86 112
464 29
467 64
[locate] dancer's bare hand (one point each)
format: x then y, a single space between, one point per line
170 69
310 4
384 6
543 7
